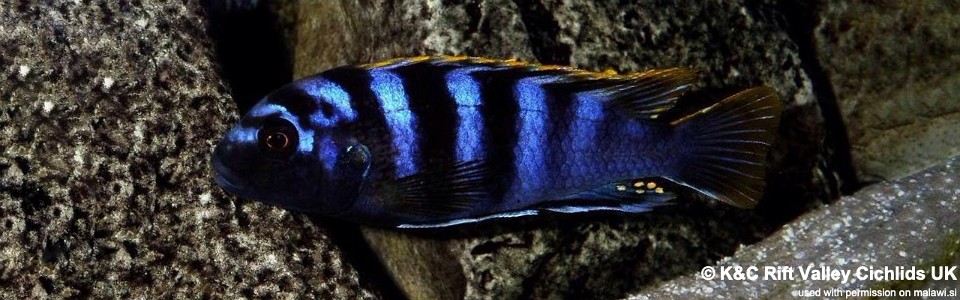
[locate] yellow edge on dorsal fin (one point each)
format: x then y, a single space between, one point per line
511 63
417 59
382 63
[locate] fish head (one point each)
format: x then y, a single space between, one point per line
274 156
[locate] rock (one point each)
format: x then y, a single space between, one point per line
895 71
734 44
111 110
910 222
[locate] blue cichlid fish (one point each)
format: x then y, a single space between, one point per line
437 141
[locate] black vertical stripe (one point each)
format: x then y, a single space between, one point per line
435 111
499 111
370 127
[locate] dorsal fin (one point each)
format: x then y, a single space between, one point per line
648 94
643 95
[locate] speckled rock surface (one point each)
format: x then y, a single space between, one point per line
910 222
908 117
733 44
110 110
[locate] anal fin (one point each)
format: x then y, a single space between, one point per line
632 196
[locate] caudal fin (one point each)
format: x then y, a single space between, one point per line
725 146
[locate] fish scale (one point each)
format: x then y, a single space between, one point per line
441 141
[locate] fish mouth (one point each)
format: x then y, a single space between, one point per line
226 179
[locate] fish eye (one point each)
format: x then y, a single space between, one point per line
278 137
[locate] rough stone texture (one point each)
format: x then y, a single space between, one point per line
110 110
733 44
909 222
895 68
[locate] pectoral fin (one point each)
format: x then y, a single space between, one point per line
440 191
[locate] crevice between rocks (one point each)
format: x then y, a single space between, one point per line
250 50
543 31
800 24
